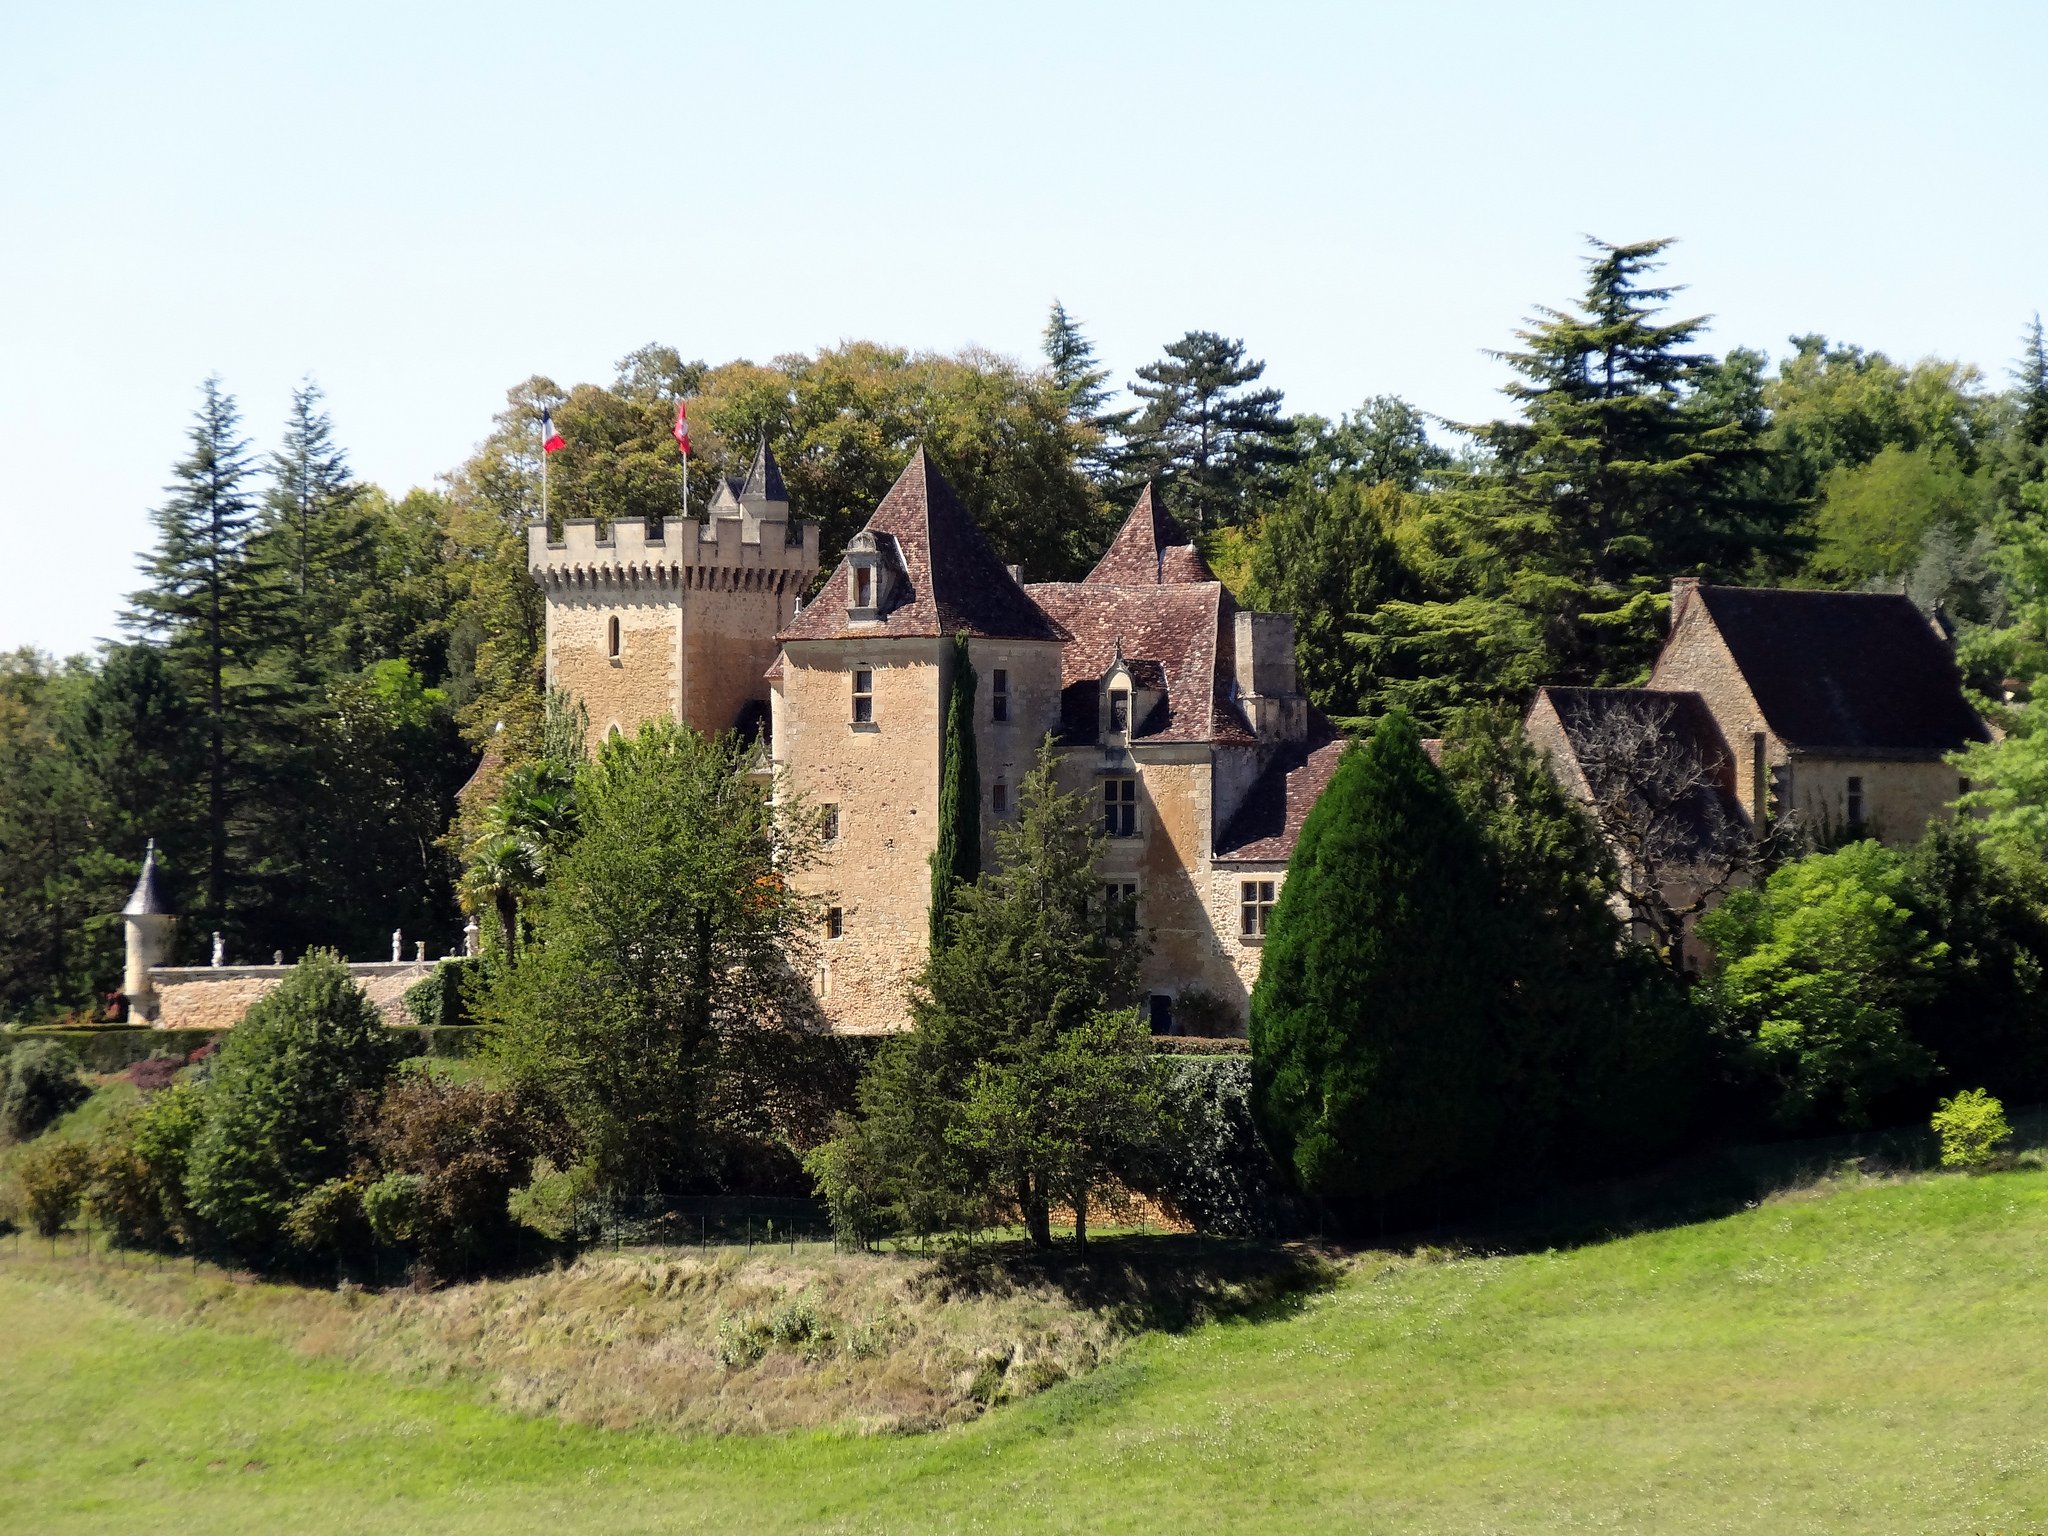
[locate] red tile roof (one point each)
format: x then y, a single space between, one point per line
1150 550
947 578
1265 827
1186 631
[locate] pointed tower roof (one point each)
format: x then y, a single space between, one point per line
146 902
1150 550
946 577
764 480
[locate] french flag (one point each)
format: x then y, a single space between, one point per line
550 439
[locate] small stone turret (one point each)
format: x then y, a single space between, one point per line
148 926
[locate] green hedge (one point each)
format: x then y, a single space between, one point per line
1212 1169
441 999
114 1047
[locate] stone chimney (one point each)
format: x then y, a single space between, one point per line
1682 590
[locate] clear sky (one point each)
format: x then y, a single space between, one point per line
421 204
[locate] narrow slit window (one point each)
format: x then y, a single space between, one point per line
1855 801
1120 807
835 923
1255 907
613 641
999 695
863 696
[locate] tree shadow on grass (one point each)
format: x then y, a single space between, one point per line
1147 1283
1703 1186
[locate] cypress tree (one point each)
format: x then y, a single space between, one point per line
1369 1024
956 860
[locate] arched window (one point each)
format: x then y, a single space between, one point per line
612 637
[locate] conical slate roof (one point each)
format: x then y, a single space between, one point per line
947 577
764 480
1150 550
146 902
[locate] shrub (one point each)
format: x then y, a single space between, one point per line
328 1222
161 1133
279 1106
120 1193
54 1177
1972 1127
39 1082
558 1203
849 1177
153 1074
1211 1169
466 1148
392 1208
439 1000
1817 969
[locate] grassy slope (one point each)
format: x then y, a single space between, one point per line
1865 1362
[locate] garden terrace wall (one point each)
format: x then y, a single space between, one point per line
213 997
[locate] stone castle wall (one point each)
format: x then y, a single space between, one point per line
216 997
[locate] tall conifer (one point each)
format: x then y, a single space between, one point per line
203 603
1222 446
1369 1023
315 540
956 860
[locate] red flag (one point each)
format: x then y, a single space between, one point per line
682 428
550 439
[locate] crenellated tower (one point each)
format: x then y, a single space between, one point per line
676 620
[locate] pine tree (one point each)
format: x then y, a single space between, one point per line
212 614
1370 1069
315 538
956 860
1083 386
2031 378
1222 447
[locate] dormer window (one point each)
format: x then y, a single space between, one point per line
865 578
1119 711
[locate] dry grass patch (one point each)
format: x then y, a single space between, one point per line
730 1342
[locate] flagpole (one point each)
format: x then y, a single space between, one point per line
544 475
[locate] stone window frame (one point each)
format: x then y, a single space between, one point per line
828 823
1120 806
999 695
1255 901
863 686
615 640
835 922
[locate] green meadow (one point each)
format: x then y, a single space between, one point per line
1858 1357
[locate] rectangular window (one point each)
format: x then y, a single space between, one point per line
1160 1013
999 798
1855 801
1120 905
1120 807
863 696
828 824
863 587
835 923
1119 711
999 695
1255 907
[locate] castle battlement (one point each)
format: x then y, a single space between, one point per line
765 551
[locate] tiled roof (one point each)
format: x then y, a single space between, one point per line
1854 671
1264 828
947 578
1684 720
1185 631
146 900
1150 550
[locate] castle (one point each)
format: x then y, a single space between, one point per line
1175 712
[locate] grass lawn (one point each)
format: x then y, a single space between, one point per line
1868 1359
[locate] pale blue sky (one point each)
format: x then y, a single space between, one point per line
421 204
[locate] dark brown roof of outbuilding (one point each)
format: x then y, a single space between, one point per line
1682 719
1185 631
1150 550
1853 671
947 578
1266 826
